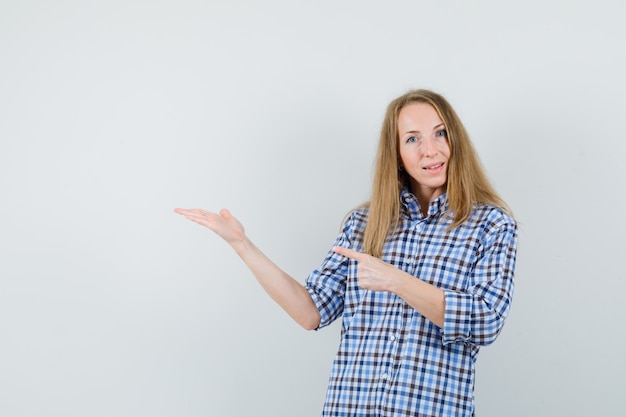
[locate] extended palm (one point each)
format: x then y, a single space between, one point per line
222 223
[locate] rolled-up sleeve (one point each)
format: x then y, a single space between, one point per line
327 284
476 316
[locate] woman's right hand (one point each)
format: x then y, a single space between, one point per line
222 223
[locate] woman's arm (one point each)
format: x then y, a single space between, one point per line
478 315
475 316
283 288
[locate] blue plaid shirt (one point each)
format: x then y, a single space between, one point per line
392 361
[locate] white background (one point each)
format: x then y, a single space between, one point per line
113 113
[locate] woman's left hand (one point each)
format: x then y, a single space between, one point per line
372 273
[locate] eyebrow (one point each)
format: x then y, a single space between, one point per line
417 131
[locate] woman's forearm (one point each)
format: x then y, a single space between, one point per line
284 289
427 299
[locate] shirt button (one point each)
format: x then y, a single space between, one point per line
384 377
392 338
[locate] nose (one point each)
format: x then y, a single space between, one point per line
428 147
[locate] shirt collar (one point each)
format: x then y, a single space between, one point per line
412 206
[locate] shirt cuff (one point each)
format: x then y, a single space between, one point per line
326 305
457 322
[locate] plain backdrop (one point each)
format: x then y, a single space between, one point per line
113 113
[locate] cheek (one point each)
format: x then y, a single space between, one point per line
445 150
404 159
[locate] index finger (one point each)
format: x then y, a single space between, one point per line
349 253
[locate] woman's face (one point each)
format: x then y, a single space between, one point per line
424 150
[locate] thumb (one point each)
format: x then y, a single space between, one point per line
225 214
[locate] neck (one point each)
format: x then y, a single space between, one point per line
425 199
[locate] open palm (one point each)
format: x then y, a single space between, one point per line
222 223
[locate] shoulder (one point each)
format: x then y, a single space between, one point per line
492 214
355 221
357 217
493 218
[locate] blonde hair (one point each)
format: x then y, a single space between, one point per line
467 183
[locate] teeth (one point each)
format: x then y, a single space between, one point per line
435 167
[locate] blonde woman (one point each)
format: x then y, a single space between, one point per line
421 276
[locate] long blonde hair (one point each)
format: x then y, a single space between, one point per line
467 183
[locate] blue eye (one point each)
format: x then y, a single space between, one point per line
414 139
442 133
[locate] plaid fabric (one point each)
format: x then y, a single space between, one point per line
392 361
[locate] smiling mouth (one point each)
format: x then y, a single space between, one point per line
433 167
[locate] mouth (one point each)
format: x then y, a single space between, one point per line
433 167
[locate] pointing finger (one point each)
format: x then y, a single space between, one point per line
349 253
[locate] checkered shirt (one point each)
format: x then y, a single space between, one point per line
392 361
